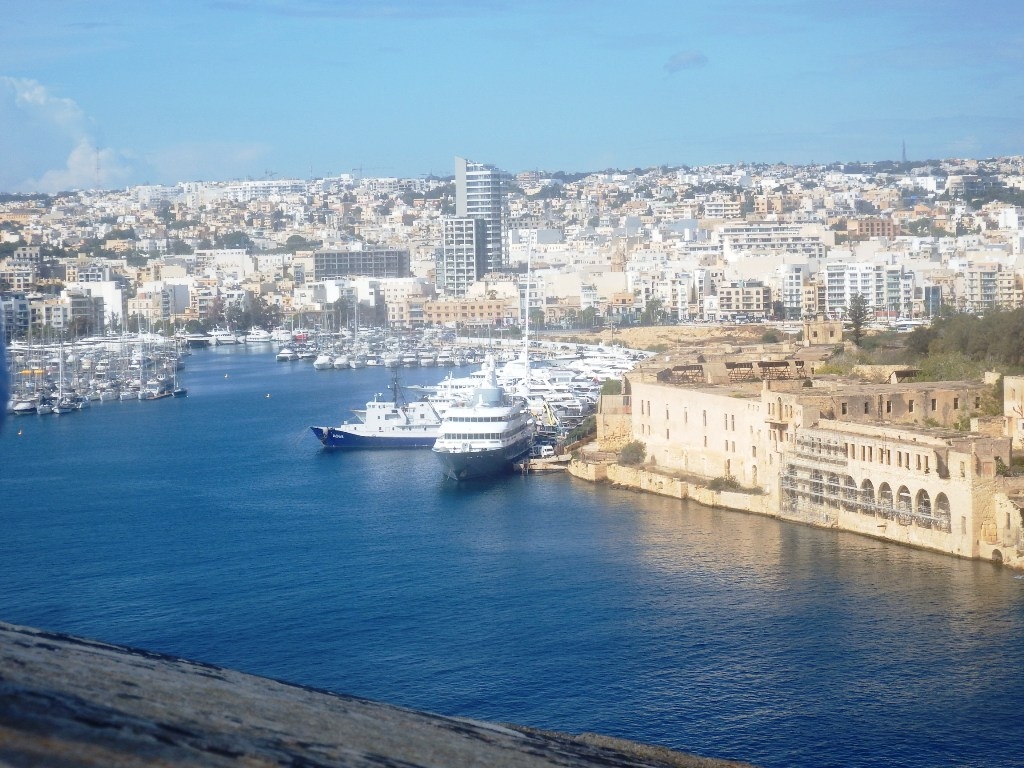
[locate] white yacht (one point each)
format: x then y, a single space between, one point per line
323 362
258 336
485 436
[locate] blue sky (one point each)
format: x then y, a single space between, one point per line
120 92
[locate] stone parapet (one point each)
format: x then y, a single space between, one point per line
73 702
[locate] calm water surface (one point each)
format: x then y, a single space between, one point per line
215 528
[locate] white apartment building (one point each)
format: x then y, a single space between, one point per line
763 238
481 192
888 289
462 259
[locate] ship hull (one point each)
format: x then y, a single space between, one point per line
337 437
468 465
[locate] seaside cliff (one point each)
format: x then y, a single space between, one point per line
69 701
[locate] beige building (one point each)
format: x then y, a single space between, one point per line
453 312
889 460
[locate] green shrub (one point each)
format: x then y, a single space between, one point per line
632 453
725 483
611 387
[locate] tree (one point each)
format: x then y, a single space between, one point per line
653 314
234 240
858 316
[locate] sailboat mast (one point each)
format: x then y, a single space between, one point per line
526 333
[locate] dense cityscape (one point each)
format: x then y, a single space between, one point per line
661 245
765 403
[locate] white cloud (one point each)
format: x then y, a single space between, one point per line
33 97
87 167
48 144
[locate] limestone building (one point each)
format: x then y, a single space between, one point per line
900 460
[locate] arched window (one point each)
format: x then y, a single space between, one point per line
942 512
849 493
867 496
885 500
833 490
903 502
923 507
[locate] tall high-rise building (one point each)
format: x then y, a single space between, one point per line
481 192
462 259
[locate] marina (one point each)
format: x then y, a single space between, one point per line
216 527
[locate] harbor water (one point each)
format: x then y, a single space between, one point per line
215 527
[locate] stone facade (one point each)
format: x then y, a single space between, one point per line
889 460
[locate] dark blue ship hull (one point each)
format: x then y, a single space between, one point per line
332 437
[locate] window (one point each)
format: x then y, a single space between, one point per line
888 406
842 408
910 406
933 403
867 405
956 403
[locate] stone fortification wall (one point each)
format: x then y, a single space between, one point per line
644 479
614 422
72 702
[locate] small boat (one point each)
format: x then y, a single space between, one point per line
287 355
323 362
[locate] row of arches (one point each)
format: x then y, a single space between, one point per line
830 490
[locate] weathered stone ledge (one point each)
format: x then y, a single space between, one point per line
642 479
67 701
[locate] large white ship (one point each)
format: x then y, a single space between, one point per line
486 435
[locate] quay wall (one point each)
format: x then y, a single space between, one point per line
640 479
1000 539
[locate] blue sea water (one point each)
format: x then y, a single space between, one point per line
215 528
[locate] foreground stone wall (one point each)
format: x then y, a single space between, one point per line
66 701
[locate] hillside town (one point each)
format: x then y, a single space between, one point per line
751 420
614 248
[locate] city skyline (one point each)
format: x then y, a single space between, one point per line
112 94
